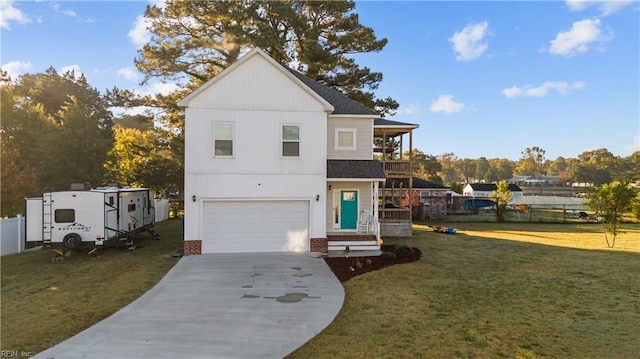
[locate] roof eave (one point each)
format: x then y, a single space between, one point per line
356 179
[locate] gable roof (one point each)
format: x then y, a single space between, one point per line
255 52
355 169
489 187
334 102
342 105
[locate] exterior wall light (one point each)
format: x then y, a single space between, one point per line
317 197
193 198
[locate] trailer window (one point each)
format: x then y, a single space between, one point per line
131 207
65 215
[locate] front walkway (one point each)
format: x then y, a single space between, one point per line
262 305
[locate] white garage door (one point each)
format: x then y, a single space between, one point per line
256 226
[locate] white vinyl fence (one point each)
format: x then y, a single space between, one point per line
12 237
162 210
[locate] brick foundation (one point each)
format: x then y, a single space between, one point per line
192 247
320 245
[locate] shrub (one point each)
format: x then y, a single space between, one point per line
388 256
403 251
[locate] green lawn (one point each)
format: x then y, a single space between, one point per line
491 290
495 291
43 303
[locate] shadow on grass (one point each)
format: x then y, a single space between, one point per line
482 297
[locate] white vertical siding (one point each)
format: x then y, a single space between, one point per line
258 99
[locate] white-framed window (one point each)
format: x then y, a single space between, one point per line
345 138
290 141
223 139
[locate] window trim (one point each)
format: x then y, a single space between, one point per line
283 141
233 138
353 137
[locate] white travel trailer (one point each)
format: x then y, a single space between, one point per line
90 218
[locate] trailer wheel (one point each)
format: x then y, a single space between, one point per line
72 241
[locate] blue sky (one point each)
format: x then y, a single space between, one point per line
480 78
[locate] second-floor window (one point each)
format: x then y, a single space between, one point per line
223 134
290 141
345 138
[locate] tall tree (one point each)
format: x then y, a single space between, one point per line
612 201
532 161
466 168
191 41
59 125
630 168
482 168
448 173
501 168
425 166
18 181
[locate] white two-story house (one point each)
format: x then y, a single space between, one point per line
275 161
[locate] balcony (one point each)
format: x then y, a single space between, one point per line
395 215
396 168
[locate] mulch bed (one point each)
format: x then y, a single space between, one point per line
346 268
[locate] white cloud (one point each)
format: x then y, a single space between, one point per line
446 104
128 73
606 7
541 91
156 88
634 146
68 12
412 109
577 40
75 68
158 3
163 89
16 68
139 35
469 43
9 13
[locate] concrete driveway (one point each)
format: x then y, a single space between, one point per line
259 305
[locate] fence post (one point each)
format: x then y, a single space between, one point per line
20 219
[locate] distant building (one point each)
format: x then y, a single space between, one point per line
537 180
484 190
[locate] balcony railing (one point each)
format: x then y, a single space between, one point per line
397 168
395 215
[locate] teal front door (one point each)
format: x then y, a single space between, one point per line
348 209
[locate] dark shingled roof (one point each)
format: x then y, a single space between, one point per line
354 169
418 183
385 122
488 187
342 105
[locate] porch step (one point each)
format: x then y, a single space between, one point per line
351 237
353 244
353 249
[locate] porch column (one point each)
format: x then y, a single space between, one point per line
376 194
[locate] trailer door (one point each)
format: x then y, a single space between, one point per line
110 215
34 220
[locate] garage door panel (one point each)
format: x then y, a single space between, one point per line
257 226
